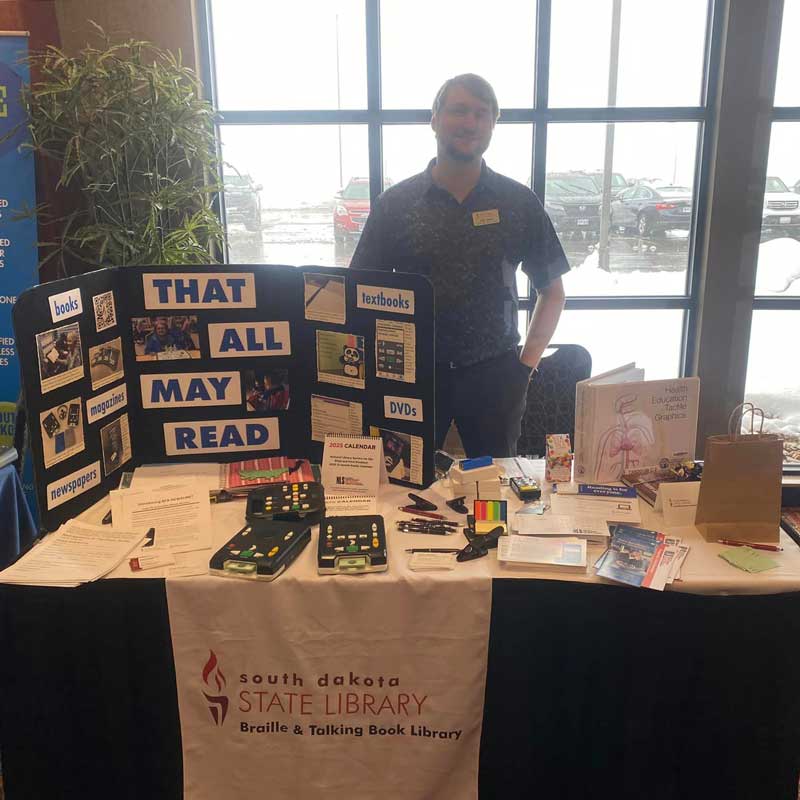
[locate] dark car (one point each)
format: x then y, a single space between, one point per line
351 210
242 201
648 210
572 201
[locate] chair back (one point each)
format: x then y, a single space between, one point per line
550 404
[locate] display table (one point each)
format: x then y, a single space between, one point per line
591 689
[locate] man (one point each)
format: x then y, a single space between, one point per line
468 228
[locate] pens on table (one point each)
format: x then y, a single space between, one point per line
415 510
431 550
734 543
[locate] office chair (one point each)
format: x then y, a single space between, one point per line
550 404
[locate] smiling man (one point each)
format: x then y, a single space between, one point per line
468 229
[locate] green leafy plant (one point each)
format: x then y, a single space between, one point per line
126 127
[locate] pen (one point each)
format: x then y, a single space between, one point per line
431 550
415 510
734 543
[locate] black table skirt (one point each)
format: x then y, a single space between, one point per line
592 691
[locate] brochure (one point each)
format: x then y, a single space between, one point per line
633 555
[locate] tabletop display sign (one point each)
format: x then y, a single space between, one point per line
18 254
134 365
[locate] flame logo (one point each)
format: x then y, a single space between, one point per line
217 703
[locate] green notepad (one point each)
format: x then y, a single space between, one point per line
748 559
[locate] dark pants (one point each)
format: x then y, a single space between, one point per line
486 400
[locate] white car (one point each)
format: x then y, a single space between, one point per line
781 214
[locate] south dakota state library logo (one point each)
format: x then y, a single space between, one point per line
215 680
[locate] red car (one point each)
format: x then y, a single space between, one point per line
352 209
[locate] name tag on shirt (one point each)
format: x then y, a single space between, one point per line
489 217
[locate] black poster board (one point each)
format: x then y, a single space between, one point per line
220 363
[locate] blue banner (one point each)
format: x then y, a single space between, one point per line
18 253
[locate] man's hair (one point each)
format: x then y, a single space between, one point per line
475 85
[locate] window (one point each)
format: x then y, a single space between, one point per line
603 114
773 383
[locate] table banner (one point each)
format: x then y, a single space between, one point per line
343 687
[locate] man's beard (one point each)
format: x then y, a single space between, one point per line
459 155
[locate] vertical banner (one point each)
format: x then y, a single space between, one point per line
18 254
364 688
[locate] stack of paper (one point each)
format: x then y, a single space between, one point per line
76 553
562 554
641 557
179 514
581 511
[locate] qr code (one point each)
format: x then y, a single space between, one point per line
105 315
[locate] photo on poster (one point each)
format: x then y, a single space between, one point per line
163 337
402 454
105 363
105 312
266 389
395 350
60 357
340 359
62 432
333 415
115 441
324 298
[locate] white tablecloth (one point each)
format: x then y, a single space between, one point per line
703 571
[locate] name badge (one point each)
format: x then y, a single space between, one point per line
489 217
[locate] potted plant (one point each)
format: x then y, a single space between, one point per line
134 145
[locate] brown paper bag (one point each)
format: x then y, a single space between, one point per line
740 491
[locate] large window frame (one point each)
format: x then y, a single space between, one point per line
540 115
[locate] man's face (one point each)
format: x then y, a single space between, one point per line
161 327
464 125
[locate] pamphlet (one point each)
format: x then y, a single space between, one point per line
633 556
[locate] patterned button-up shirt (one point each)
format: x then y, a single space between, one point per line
470 258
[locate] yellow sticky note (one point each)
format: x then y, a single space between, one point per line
489 217
748 559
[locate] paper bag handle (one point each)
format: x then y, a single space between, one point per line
737 417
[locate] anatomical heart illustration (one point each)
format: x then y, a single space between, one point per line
624 445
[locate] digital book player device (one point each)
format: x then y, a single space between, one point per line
286 501
261 550
352 545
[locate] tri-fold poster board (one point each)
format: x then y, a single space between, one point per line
134 365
